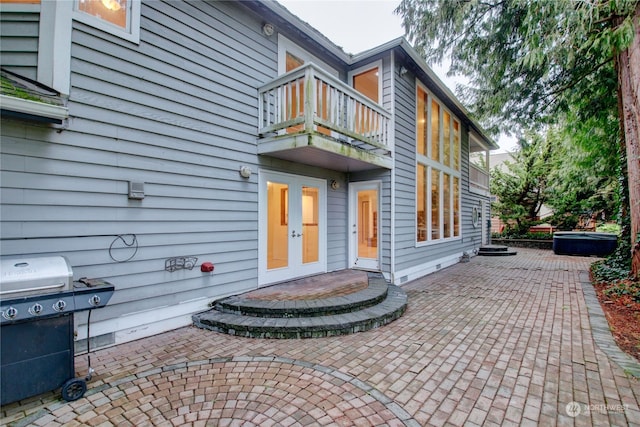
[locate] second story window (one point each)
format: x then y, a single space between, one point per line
368 81
111 11
118 17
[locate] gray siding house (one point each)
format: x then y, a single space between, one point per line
185 132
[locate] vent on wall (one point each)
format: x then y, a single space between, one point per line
136 190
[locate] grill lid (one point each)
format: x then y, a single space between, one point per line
32 276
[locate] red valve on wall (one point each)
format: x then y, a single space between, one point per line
206 267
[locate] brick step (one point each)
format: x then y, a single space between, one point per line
375 293
360 319
496 250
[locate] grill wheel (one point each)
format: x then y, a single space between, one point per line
74 389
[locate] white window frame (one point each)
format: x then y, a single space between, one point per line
430 165
131 33
377 64
285 45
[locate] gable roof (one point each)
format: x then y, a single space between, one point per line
417 64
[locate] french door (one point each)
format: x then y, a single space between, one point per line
292 227
364 225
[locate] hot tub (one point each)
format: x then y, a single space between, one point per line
584 243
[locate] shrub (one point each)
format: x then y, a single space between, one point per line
616 266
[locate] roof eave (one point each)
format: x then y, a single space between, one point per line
278 9
400 42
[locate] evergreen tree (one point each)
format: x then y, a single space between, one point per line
529 61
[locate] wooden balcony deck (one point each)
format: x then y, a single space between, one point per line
309 116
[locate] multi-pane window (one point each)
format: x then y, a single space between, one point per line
437 170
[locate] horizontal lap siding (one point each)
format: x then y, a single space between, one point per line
177 112
472 236
19 42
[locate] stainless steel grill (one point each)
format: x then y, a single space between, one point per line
37 300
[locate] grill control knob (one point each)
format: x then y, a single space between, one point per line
60 305
35 309
10 313
94 300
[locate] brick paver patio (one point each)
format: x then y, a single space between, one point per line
495 341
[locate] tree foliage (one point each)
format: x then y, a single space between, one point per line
525 60
521 188
531 63
585 175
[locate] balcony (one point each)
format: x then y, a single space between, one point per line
308 116
478 180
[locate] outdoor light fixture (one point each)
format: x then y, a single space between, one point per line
335 184
245 171
267 29
403 71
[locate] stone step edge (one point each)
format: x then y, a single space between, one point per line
375 293
362 320
497 253
494 248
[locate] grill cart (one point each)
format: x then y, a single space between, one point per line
37 300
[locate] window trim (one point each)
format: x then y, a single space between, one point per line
368 67
430 165
285 45
131 34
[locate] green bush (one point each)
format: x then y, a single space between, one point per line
608 228
530 236
616 266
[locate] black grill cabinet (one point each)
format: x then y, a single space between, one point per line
37 300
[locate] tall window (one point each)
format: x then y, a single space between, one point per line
437 170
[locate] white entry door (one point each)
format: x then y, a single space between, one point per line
364 225
292 227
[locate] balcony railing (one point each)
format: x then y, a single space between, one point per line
478 178
309 100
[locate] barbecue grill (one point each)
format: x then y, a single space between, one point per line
37 300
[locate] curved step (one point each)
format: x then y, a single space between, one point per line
375 293
391 308
496 250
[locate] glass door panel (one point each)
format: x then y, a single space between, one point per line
364 220
368 224
310 234
277 225
294 94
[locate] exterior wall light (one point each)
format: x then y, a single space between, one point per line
335 184
267 29
245 171
403 70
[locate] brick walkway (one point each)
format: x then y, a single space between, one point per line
496 341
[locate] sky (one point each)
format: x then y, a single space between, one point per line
358 25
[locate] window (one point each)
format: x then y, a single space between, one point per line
367 80
118 17
437 170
